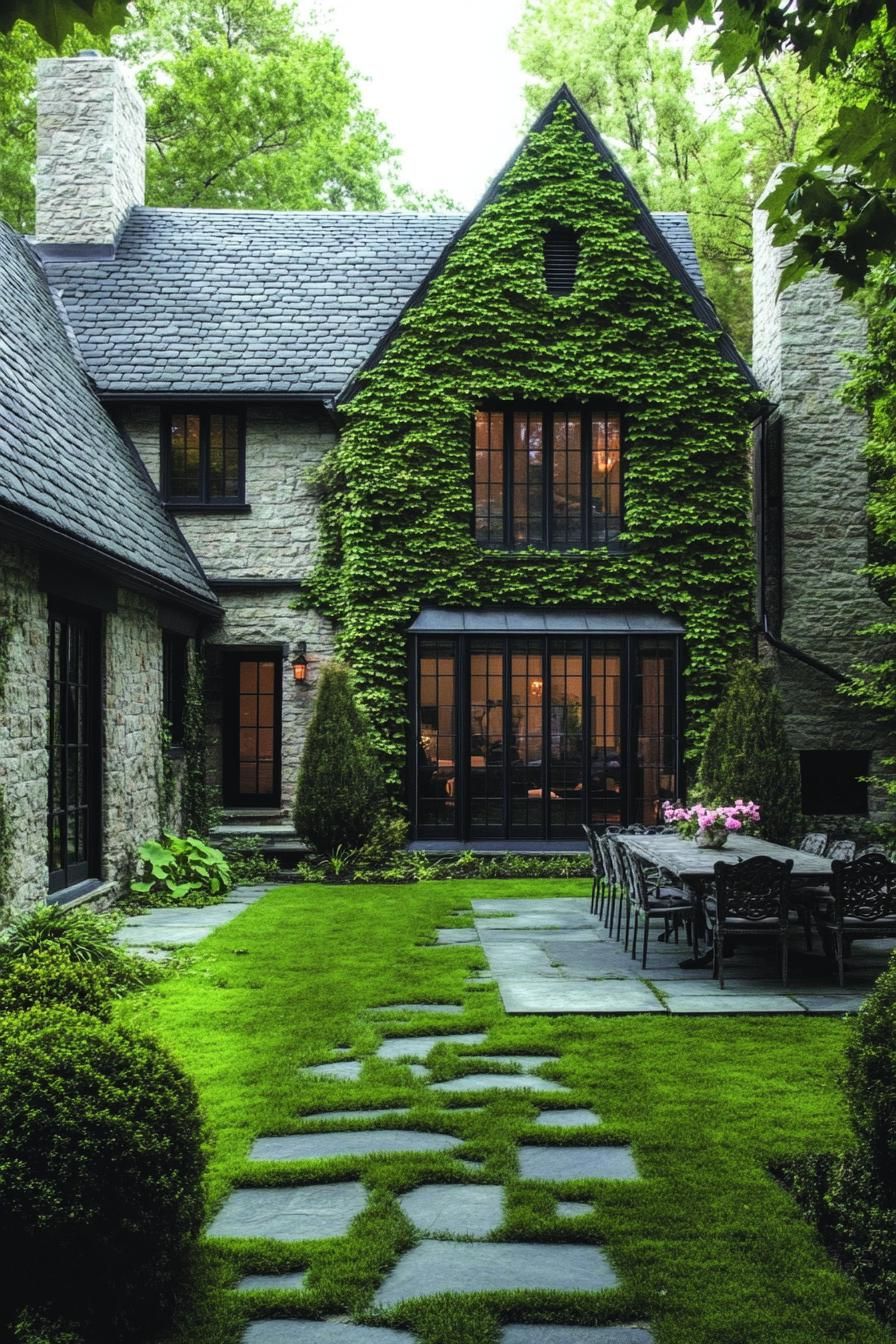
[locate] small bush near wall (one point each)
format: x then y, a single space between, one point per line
58 946
341 790
182 871
48 978
747 755
101 1168
851 1196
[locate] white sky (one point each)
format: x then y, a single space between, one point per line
443 80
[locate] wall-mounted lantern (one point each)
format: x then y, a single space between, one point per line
300 665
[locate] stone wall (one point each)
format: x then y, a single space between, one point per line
23 726
132 782
801 339
91 149
275 540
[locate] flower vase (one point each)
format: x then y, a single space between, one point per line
706 839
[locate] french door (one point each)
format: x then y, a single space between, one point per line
528 737
252 732
74 745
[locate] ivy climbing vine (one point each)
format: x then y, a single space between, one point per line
397 490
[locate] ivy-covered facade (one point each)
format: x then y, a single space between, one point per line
536 540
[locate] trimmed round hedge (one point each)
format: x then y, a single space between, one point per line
48 977
101 1166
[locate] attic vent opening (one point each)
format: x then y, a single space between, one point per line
561 260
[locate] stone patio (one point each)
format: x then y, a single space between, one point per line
551 956
469 1267
183 925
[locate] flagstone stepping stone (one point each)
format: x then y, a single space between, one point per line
477 1267
419 1046
418 1070
447 1008
342 1069
562 1119
557 1163
388 1111
575 1334
573 1208
504 1082
322 1332
459 1210
252 1283
524 1061
295 1213
452 937
348 1143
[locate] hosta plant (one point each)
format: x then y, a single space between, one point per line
182 871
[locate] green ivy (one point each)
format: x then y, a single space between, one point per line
194 789
397 488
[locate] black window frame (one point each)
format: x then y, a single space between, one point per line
547 410
175 668
204 500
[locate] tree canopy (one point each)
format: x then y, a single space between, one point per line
245 108
56 20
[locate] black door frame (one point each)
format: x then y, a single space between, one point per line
70 616
230 725
461 645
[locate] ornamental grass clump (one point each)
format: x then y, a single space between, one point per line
340 792
101 1165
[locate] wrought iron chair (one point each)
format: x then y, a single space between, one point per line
844 850
598 871
750 899
863 903
808 899
649 900
815 842
618 884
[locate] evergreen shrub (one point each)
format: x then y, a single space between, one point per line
340 791
101 1167
48 977
82 935
870 1081
746 753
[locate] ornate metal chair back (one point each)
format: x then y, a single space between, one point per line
597 862
636 828
844 850
604 849
816 842
615 852
637 886
864 889
755 890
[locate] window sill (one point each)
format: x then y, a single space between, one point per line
88 890
556 557
174 507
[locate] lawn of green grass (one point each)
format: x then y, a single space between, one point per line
708 1248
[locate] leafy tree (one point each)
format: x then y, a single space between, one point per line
244 109
340 791
55 20
649 99
747 755
836 206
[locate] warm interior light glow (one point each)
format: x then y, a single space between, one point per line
300 667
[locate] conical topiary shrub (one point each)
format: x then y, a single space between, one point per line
747 755
340 791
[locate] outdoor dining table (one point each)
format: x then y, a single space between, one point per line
693 866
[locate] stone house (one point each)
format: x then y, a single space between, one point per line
172 382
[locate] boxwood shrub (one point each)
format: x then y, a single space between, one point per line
49 977
101 1164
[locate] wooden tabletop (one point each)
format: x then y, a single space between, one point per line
682 857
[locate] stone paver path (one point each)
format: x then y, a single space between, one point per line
566 1119
347 1070
322 1332
495 1266
348 1143
573 1208
252 1283
387 1112
525 1062
300 1213
555 1163
418 1047
552 956
448 1009
500 1082
179 926
457 1210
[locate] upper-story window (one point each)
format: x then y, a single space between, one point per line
548 477
203 456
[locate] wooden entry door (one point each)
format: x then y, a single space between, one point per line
73 811
252 733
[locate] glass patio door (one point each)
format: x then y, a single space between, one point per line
252 735
528 737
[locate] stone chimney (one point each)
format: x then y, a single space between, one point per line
91 149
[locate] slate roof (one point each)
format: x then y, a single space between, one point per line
244 302
63 463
